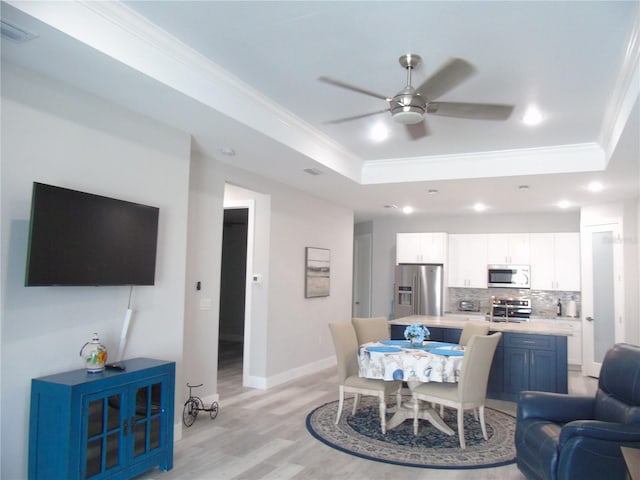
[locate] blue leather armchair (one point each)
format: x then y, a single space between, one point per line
569 437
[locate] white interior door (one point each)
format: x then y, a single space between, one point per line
602 293
362 276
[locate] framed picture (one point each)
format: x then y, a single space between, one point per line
318 272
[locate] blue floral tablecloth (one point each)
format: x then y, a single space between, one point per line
397 360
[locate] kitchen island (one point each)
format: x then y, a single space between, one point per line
530 355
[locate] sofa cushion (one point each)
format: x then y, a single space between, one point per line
620 374
587 458
618 396
608 408
536 443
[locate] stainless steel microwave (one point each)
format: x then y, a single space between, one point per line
509 276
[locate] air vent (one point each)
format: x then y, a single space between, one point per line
313 171
15 34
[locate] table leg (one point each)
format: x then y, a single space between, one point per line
425 412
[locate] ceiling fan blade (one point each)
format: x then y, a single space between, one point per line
339 83
355 117
481 111
450 75
418 130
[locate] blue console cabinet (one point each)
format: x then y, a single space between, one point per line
108 425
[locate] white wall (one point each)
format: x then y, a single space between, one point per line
289 334
203 262
58 135
632 273
385 230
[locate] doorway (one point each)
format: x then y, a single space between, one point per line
362 254
231 347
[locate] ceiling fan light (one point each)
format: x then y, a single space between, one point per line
407 115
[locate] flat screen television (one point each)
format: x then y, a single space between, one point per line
82 239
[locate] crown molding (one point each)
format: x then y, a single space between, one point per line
504 163
624 94
124 35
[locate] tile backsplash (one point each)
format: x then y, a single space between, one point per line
543 302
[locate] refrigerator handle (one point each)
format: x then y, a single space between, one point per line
416 294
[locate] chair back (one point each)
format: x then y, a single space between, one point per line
371 329
346 346
476 366
471 328
618 395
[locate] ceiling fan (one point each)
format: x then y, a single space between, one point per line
410 104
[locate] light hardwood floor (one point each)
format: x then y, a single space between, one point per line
260 435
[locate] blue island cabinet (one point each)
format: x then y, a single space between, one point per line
522 361
108 425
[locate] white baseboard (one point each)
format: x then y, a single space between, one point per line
264 383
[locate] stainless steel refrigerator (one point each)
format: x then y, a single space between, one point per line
418 290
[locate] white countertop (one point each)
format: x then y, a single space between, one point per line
482 316
456 321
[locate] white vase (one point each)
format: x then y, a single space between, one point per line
94 355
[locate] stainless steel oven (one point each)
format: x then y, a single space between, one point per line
509 276
510 309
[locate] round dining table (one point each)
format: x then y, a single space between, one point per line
400 360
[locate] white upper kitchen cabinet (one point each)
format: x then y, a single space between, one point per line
555 261
421 247
508 248
467 261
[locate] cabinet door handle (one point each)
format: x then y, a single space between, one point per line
125 427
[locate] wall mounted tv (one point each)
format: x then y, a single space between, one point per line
81 239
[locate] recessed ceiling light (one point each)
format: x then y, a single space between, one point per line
564 204
313 171
479 207
379 132
228 151
532 116
407 209
595 187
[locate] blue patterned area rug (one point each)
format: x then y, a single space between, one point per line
360 435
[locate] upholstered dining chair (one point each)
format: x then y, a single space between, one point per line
471 328
371 329
471 390
346 345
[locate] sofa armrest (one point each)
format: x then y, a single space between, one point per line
609 431
555 407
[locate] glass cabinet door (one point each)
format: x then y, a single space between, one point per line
149 405
104 433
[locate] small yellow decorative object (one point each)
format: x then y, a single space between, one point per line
94 355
